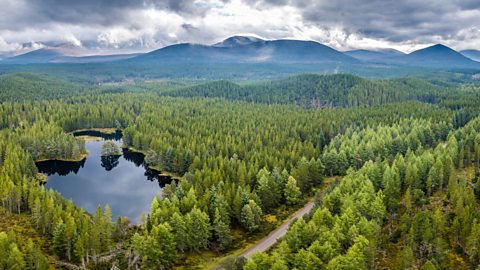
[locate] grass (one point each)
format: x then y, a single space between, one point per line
80 158
87 138
108 131
23 227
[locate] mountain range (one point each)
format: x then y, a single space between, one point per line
369 55
472 54
63 53
252 50
240 49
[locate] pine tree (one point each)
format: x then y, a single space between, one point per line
473 243
79 249
221 232
307 260
251 216
69 234
109 148
59 241
302 174
428 266
199 229
391 181
15 259
34 258
268 190
166 243
180 231
291 191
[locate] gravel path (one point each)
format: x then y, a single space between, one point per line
272 238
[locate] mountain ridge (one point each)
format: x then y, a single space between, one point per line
255 50
238 49
472 54
437 56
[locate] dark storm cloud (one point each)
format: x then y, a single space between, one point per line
189 27
387 19
89 12
148 24
106 12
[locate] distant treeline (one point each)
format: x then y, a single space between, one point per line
308 90
318 91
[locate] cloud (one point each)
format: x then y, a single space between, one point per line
416 21
129 25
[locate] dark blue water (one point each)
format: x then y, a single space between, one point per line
123 182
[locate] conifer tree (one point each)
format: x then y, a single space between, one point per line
292 192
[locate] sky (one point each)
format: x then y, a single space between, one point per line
125 26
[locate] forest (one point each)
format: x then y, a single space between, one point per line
392 165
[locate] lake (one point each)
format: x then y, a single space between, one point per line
123 182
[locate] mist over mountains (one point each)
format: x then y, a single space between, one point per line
246 49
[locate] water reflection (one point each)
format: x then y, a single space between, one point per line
117 136
118 181
135 157
50 167
109 162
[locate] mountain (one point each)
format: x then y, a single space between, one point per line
240 49
44 55
436 56
238 41
63 53
472 54
370 55
95 58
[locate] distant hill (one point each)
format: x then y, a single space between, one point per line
240 57
370 55
95 58
472 54
64 53
26 86
436 56
44 55
239 49
236 41
311 90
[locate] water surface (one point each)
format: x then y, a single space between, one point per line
123 182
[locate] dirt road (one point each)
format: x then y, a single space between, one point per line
272 238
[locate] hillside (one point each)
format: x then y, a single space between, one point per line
312 90
472 54
65 53
373 55
240 49
44 55
21 86
437 56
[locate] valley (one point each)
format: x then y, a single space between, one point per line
239 135
247 156
121 177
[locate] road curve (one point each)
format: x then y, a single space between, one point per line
272 238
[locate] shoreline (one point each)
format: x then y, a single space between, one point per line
110 131
155 168
82 157
106 131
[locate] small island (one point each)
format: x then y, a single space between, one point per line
109 148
